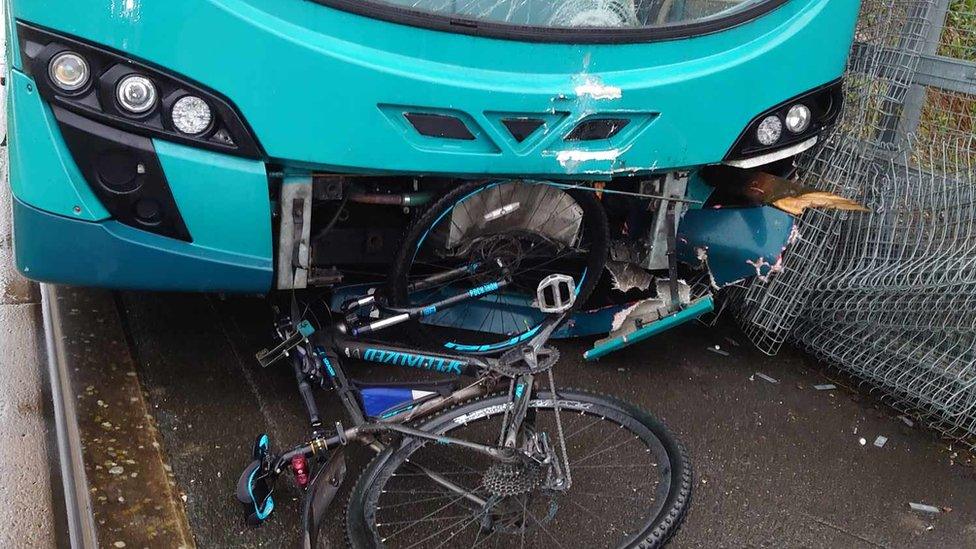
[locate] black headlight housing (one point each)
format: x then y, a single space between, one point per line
825 103
227 132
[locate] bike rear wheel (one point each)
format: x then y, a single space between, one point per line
631 482
534 228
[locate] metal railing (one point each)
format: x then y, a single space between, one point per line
890 296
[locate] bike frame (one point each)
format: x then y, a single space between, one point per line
325 349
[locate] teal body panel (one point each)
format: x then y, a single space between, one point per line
735 243
13 48
42 170
691 312
316 83
52 248
224 200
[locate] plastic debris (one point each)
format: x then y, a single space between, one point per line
923 508
717 350
863 441
880 441
907 421
825 387
764 377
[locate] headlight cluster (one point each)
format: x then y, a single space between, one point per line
790 122
119 91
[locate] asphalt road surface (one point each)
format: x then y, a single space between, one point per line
776 464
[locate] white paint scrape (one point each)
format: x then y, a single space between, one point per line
592 87
567 158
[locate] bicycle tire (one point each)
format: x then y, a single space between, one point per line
596 232
361 533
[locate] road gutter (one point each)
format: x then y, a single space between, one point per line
119 488
81 524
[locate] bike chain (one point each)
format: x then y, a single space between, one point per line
559 429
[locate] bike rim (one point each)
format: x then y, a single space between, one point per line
498 321
621 479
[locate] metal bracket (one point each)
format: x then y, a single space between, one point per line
674 185
294 235
267 357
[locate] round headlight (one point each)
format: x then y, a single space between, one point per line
798 118
191 115
769 130
136 94
68 71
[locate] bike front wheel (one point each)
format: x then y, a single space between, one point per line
631 482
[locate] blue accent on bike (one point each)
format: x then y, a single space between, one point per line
482 290
428 310
268 505
396 412
413 360
264 442
328 366
377 400
305 328
494 346
519 389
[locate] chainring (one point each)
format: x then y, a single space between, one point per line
526 359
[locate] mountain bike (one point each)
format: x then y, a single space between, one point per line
502 456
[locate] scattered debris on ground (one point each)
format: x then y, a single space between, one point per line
718 350
763 377
880 441
825 387
923 508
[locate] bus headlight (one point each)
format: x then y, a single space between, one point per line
191 115
69 71
136 94
798 118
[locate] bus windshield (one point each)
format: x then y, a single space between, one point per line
592 14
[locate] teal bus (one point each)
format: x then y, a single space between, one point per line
257 145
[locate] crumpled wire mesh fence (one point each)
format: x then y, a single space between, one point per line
890 296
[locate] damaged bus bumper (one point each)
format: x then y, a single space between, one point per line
303 92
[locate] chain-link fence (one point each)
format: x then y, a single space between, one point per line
890 296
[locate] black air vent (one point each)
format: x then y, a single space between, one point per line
595 129
439 125
522 128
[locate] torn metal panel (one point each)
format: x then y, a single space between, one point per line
643 312
735 243
633 331
626 276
